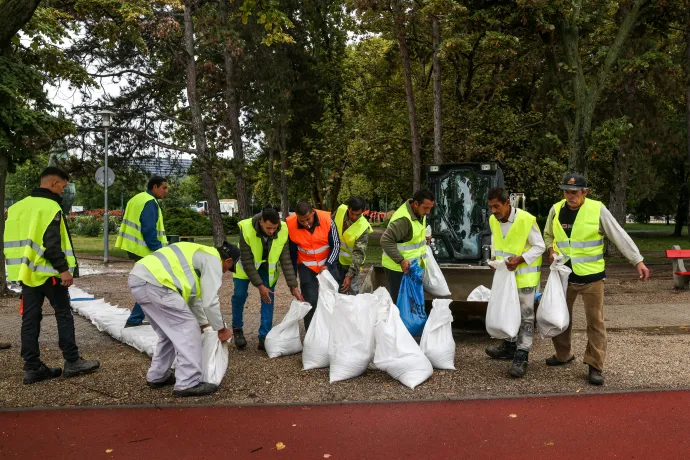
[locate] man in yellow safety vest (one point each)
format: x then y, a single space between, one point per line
142 231
353 231
576 228
515 237
39 254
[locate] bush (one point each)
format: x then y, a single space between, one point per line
541 222
87 226
186 222
230 224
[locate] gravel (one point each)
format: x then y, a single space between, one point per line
639 356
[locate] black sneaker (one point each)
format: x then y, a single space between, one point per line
553 361
261 346
80 366
505 351
595 376
42 373
143 323
5 345
238 337
169 380
202 389
519 366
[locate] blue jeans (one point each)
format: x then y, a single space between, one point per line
137 315
239 298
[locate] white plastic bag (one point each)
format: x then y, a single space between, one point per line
315 353
284 338
434 281
479 294
397 353
214 357
552 315
351 343
503 313
437 339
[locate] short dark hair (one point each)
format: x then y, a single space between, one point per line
303 208
229 251
356 203
498 193
53 171
156 181
270 214
423 194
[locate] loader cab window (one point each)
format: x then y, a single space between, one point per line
461 215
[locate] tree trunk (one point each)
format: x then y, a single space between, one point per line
438 108
206 158
399 17
3 183
619 194
283 171
233 108
686 67
681 210
15 13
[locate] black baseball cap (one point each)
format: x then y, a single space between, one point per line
229 251
573 181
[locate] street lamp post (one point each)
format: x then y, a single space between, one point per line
105 123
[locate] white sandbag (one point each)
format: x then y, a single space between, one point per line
552 315
284 338
351 343
437 339
479 294
434 281
397 353
503 313
214 357
315 353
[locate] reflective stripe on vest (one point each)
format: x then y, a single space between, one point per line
172 266
130 238
514 244
585 247
27 222
415 249
254 242
349 237
313 248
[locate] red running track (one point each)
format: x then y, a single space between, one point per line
645 425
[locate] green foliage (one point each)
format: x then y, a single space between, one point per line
186 222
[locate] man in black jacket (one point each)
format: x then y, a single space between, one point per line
55 263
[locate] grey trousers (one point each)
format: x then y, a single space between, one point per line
179 334
526 333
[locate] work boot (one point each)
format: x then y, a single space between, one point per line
595 376
42 373
505 351
553 361
261 346
169 380
80 366
238 336
143 323
519 366
5 345
201 389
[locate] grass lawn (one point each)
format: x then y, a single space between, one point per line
654 228
94 245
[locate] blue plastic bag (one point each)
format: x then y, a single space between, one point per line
411 300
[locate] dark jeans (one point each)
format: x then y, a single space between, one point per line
239 298
394 280
32 299
137 315
309 286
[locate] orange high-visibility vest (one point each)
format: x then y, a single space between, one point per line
312 248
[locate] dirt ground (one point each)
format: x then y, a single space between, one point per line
649 347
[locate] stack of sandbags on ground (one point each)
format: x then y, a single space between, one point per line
396 351
284 339
351 341
315 353
437 340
